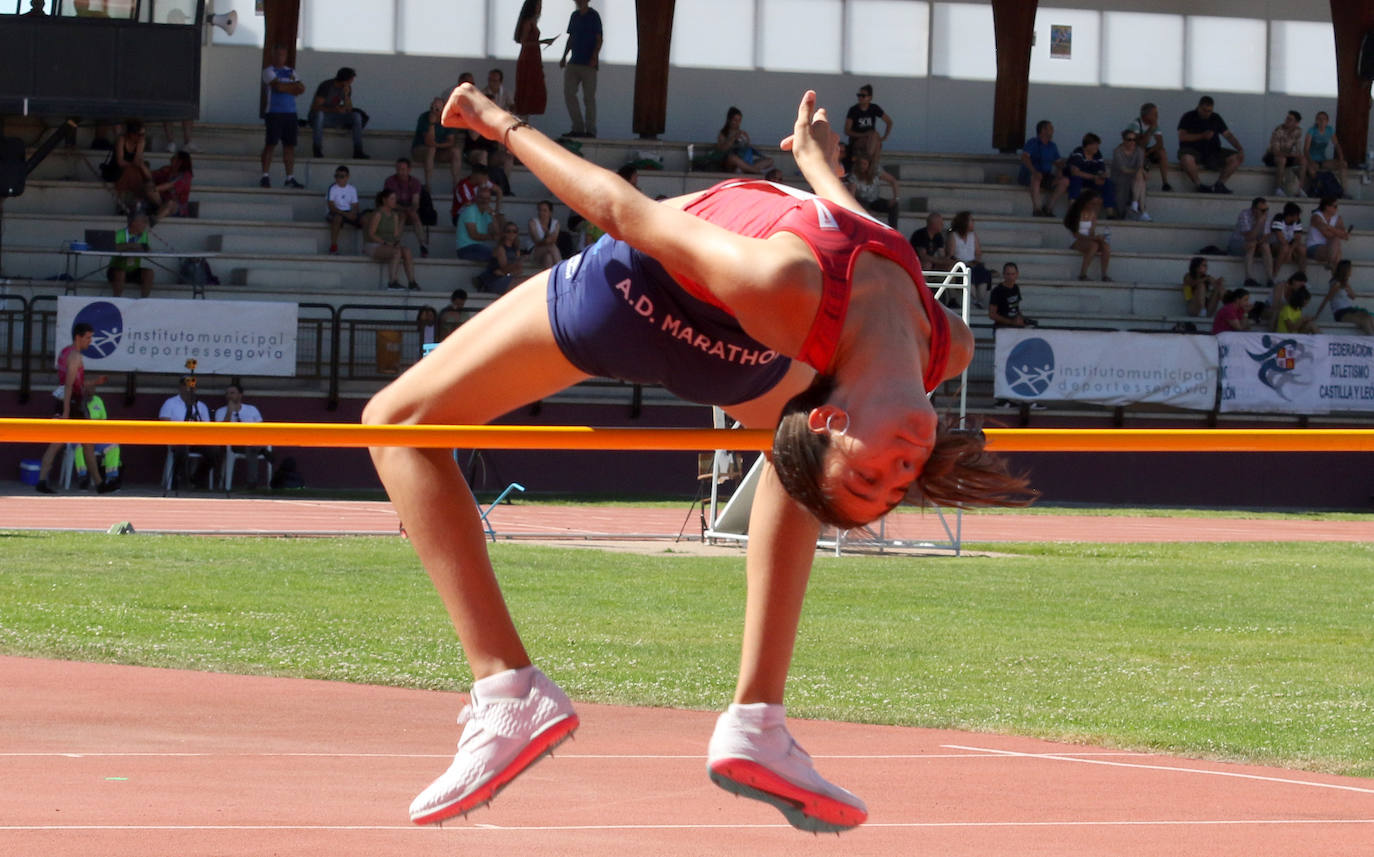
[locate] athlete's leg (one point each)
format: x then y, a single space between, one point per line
504 358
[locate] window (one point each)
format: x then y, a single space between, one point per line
962 42
1142 50
441 28
620 31
887 37
801 35
1225 54
352 26
1302 58
714 34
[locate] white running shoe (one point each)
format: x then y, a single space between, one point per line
753 755
513 719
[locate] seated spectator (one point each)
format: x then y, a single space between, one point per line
774 175
1251 236
1201 292
1321 149
36 9
1285 150
1004 303
478 224
341 201
1287 239
451 316
383 236
1042 169
1341 296
333 108
630 173
426 328
1151 141
965 247
1200 132
866 183
1128 177
861 126
506 264
435 144
101 473
173 185
235 410
929 244
186 407
1280 296
465 192
1326 234
1086 168
1081 221
131 239
1290 318
1234 313
737 152
186 144
498 159
407 189
128 170
544 232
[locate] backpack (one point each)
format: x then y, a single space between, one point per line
1326 184
428 215
195 271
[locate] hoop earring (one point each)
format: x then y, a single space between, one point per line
830 429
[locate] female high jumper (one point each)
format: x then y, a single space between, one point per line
793 311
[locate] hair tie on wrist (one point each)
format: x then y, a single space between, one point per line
519 123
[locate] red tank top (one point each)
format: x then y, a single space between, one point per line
836 235
79 385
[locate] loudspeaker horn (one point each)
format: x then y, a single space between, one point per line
227 22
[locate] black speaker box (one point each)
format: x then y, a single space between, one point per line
13 167
1365 66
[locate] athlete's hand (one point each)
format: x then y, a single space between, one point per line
812 136
468 108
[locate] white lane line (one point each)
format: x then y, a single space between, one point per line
430 830
1065 757
697 756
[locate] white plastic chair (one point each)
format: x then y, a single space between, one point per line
231 456
170 462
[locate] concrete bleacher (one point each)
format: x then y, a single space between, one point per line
272 243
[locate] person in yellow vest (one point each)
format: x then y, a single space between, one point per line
107 454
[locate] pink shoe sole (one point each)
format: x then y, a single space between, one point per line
540 745
804 810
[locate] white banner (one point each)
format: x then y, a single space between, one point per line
1296 374
151 335
1106 368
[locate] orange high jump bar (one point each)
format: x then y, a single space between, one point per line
651 439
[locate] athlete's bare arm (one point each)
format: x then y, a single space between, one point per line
816 149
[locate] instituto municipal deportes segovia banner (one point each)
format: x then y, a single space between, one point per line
152 335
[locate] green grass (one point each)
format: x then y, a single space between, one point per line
1255 652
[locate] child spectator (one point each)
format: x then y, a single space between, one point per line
1004 304
384 231
1287 239
1081 221
173 185
739 153
131 239
451 316
1280 296
128 169
465 192
1321 149
1086 168
407 189
1234 313
1341 296
1290 318
341 201
1201 292
426 328
544 232
1285 150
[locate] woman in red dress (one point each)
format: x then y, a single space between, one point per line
530 94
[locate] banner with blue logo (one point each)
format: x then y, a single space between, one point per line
152 335
1106 368
1296 374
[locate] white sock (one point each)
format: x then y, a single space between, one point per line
760 715
511 684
